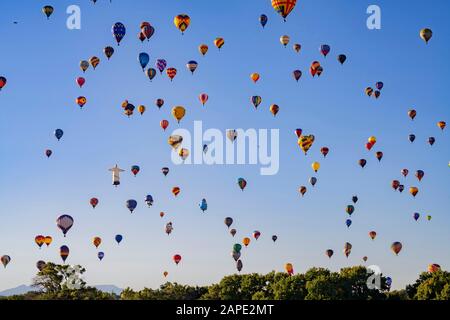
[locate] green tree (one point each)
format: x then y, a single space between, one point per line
435 287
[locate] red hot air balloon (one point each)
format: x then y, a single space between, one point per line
298 132
324 151
419 175
256 234
93 202
80 81
177 259
164 124
395 184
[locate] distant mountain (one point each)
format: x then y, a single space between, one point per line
24 289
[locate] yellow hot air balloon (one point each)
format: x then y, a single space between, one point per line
254 77
305 142
175 141
94 61
219 42
178 113
182 22
284 7
316 166
284 40
141 109
289 268
246 241
413 191
203 48
441 125
426 34
183 153
372 140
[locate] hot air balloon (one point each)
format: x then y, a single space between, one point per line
441 125
239 265
192 66
426 34
183 153
329 253
263 20
48 241
350 209
242 183
182 22
58 134
372 140
219 42
395 184
348 222
396 247
413 191
297 74
416 216
47 10
431 140
419 175
305 142
40 265
285 40
203 205
149 200
94 61
48 153
40 240
405 172
93 202
118 238
159 103
237 247
372 235
203 98
165 273
161 64
178 113
233 232
411 138
255 77
169 228
324 50
64 252
401 188
176 191
315 65
175 141
171 73
313 181
151 73
165 171
100 255
203 48
274 108
297 47
319 71
148 31
131 205
161 214
365 258
315 166
96 241
347 249
369 146
324 151
379 85
108 51
362 162
289 268
429 217
369 91
2 82
5 260
274 238
355 199
302 190
81 101
379 155
256 234
412 114
141 36
341 58
298 132
246 241
236 255
135 170
432 268
164 124
118 31
64 222
256 100
177 259
283 7
143 59
84 65
80 81
228 221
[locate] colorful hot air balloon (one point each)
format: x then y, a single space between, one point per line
237 247
347 249
131 205
396 247
372 235
274 108
305 142
263 20
48 153
151 73
313 181
161 64
369 91
350 209
203 98
177 259
94 61
164 124
81 101
324 50
441 125
161 214
369 146
228 221
298 132
176 191
118 31
239 265
93 202
219 42
47 10
413 191
348 222
135 170
175 141
165 274
426 34
329 253
362 162
5 260
315 166
297 74
149 200
96 241
256 100
40 240
355 199
255 77
283 7
141 109
64 222
84 65
341 58
432 268
289 269
395 184
159 103
182 22
412 114
80 81
148 31
242 183
183 153
192 66
419 175
178 113
2 82
108 51
171 73
203 48
118 238
379 155
297 47
405 172
246 241
48 241
285 40
302 190
236 255
64 252
401 188
315 65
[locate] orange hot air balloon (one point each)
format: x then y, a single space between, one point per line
40 240
302 190
372 140
81 101
441 124
219 42
432 268
48 240
141 109
283 7
96 241
164 124
203 98
177 259
412 114
182 22
315 65
254 77
372 235
274 109
165 274
396 247
171 73
289 268
246 241
413 191
161 214
203 48
176 191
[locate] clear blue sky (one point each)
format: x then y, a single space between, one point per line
40 60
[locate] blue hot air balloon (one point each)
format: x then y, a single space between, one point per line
149 200
143 59
118 31
348 222
118 238
101 255
131 205
263 20
59 133
203 205
416 216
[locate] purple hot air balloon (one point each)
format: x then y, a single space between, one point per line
161 64
64 222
